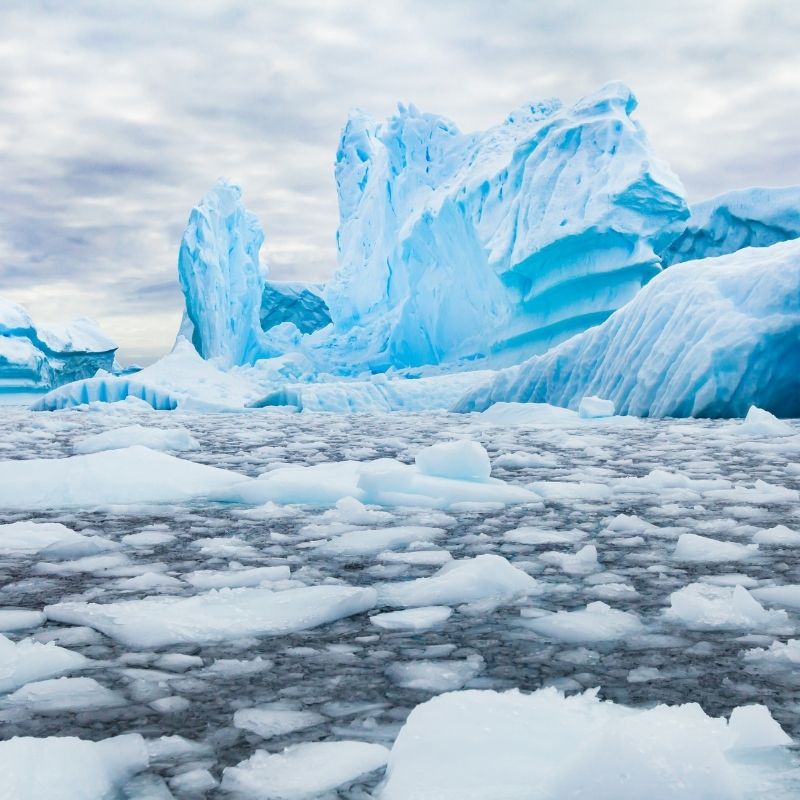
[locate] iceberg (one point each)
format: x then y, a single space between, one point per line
493 245
705 338
755 217
36 357
221 278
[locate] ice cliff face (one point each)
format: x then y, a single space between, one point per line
34 357
498 244
221 278
706 338
756 217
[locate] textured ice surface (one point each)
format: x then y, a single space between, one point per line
27 660
627 486
706 338
36 357
756 217
496 244
175 440
512 746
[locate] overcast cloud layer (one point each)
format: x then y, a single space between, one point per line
115 118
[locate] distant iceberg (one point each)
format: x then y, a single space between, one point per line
706 338
36 357
756 217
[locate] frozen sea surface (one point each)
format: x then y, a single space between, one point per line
603 548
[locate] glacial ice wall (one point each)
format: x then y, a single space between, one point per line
496 244
706 338
221 278
756 217
35 357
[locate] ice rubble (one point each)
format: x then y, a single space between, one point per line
35 357
755 217
69 768
217 615
545 745
705 338
388 482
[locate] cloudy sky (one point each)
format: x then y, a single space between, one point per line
115 118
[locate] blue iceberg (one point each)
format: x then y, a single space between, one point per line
221 278
40 357
301 304
756 217
705 338
495 245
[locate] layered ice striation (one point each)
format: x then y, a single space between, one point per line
707 338
35 357
756 217
496 244
221 278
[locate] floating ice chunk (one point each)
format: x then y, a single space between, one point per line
354 512
595 408
520 460
148 538
778 654
561 491
779 536
529 535
440 675
303 771
660 481
174 439
691 547
384 482
366 542
466 581
115 477
700 606
753 727
412 619
429 557
580 563
25 661
19 619
64 694
533 414
31 537
194 782
272 720
545 745
462 460
787 596
236 578
216 616
598 622
68 768
761 423
148 581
